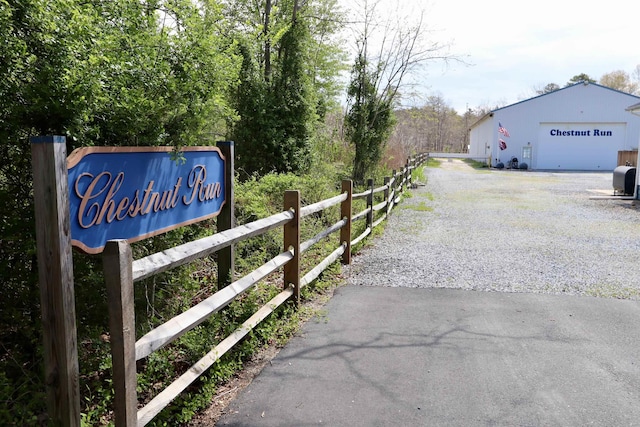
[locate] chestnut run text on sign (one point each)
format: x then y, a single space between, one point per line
134 193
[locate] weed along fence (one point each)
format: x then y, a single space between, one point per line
207 182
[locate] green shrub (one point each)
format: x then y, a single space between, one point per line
163 296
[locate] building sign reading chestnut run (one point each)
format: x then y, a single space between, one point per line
137 192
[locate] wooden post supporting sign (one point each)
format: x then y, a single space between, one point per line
55 272
226 221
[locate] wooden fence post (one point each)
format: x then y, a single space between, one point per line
370 204
411 167
226 219
118 274
395 185
292 240
407 173
55 272
345 213
387 192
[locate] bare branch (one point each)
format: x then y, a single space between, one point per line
395 46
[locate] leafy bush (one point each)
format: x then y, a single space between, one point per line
99 73
110 74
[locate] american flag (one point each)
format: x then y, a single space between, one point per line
503 130
502 144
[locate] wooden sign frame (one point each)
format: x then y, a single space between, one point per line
134 193
53 215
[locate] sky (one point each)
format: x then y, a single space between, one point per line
510 48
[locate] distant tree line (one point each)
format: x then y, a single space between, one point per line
436 127
618 80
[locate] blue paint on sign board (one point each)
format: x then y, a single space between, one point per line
137 192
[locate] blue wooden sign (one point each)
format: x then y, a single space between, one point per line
137 192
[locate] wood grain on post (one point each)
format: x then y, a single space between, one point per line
118 272
345 213
370 204
55 272
226 220
292 240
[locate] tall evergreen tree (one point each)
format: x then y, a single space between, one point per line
275 107
288 79
388 51
369 121
293 100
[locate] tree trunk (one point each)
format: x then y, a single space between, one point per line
267 41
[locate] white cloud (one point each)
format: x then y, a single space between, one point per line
516 46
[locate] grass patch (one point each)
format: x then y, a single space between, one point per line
433 163
428 196
476 164
420 207
418 174
611 291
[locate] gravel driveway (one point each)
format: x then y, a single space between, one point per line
507 231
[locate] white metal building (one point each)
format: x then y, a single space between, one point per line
580 127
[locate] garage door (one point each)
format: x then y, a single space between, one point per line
579 146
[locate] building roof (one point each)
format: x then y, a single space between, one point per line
481 119
635 107
585 83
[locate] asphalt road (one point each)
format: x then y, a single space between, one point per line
422 357
400 355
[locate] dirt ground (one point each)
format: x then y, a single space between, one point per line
454 164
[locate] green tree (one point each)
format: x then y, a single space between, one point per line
288 81
550 87
274 130
582 77
294 102
369 121
327 55
99 73
388 51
